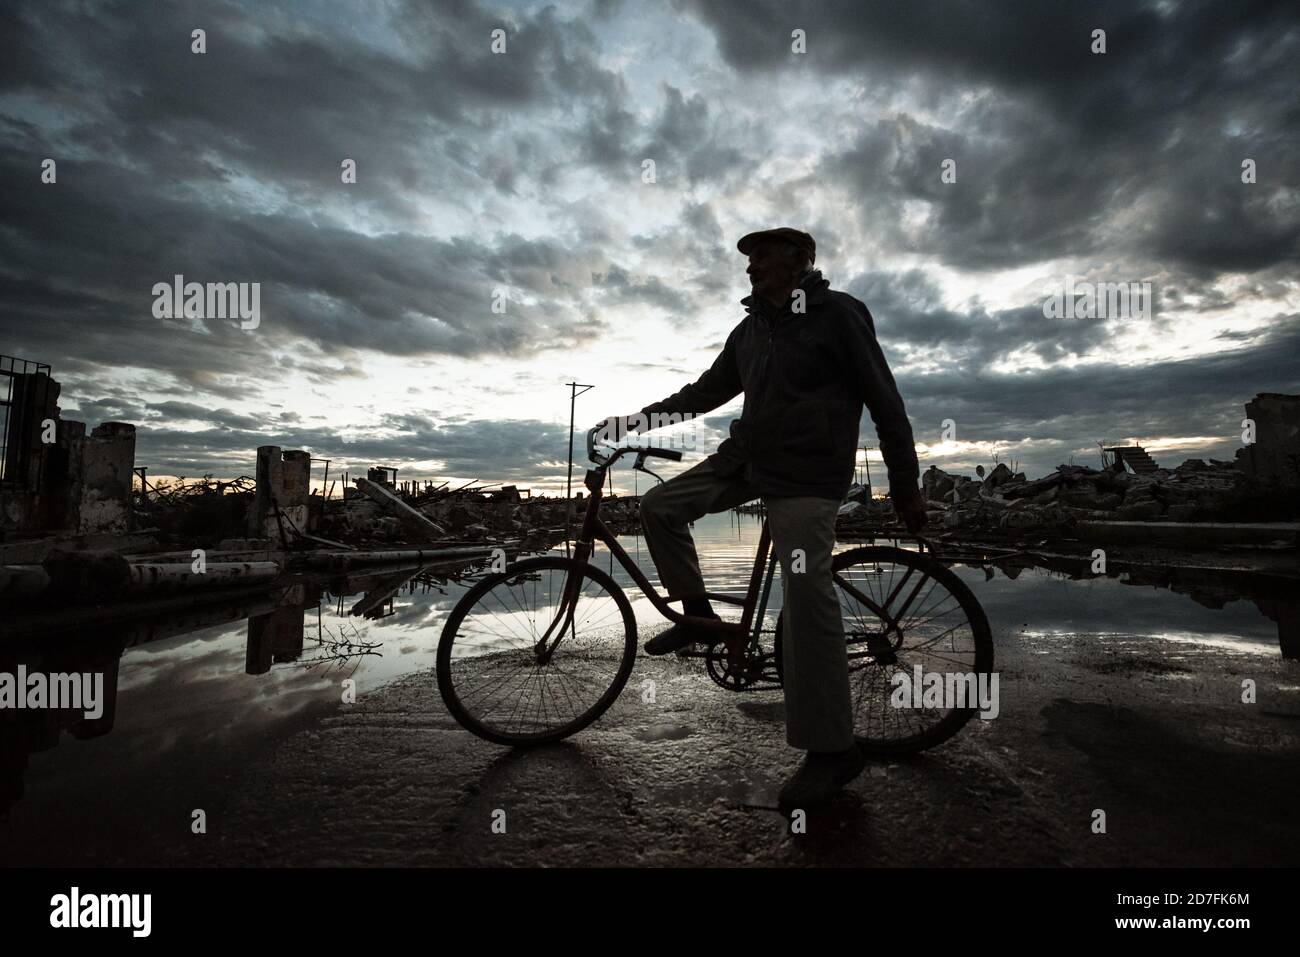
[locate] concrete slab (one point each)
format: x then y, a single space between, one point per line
413 521
1150 731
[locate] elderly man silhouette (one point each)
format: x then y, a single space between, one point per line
807 360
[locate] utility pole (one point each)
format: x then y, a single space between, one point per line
866 461
568 487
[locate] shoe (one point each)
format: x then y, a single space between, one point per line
820 778
676 637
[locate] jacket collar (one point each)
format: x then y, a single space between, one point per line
813 283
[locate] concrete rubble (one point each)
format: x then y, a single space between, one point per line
1199 502
1249 502
73 502
1195 491
80 522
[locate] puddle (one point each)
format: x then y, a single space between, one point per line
192 695
663 732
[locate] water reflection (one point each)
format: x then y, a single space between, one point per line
190 692
174 672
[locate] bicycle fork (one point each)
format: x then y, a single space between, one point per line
568 605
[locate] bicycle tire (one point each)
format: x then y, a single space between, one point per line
956 718
446 643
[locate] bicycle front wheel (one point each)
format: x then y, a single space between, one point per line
904 613
503 677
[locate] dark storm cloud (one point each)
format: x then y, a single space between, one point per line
107 408
125 408
690 140
495 451
147 182
225 167
285 97
695 244
620 286
100 239
172 411
1051 413
1057 145
694 239
908 312
699 138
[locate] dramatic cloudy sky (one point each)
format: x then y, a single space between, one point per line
522 172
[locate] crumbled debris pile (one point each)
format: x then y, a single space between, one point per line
473 518
198 512
1003 502
1194 491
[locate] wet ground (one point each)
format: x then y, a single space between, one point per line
1152 734
1114 697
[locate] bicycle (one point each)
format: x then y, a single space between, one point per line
500 675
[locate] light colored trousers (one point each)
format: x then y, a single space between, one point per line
818 705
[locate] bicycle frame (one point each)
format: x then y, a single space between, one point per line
594 529
753 603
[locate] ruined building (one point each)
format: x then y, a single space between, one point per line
54 477
1274 456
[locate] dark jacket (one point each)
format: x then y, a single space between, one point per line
806 378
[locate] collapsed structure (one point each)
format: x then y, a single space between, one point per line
72 521
1195 491
1252 500
70 518
53 475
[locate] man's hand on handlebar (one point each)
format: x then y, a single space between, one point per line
618 427
910 506
614 431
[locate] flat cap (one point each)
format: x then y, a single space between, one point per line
785 233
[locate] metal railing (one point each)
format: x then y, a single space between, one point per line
18 428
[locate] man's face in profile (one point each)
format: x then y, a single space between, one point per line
772 268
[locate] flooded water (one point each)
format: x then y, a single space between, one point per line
192 696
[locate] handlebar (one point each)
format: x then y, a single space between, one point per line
670 454
641 452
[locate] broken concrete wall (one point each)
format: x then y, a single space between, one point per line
1274 456
283 480
295 488
55 504
107 461
61 481
261 517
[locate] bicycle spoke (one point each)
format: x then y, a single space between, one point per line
924 624
494 673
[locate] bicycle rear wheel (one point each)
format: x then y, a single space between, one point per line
491 675
939 626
